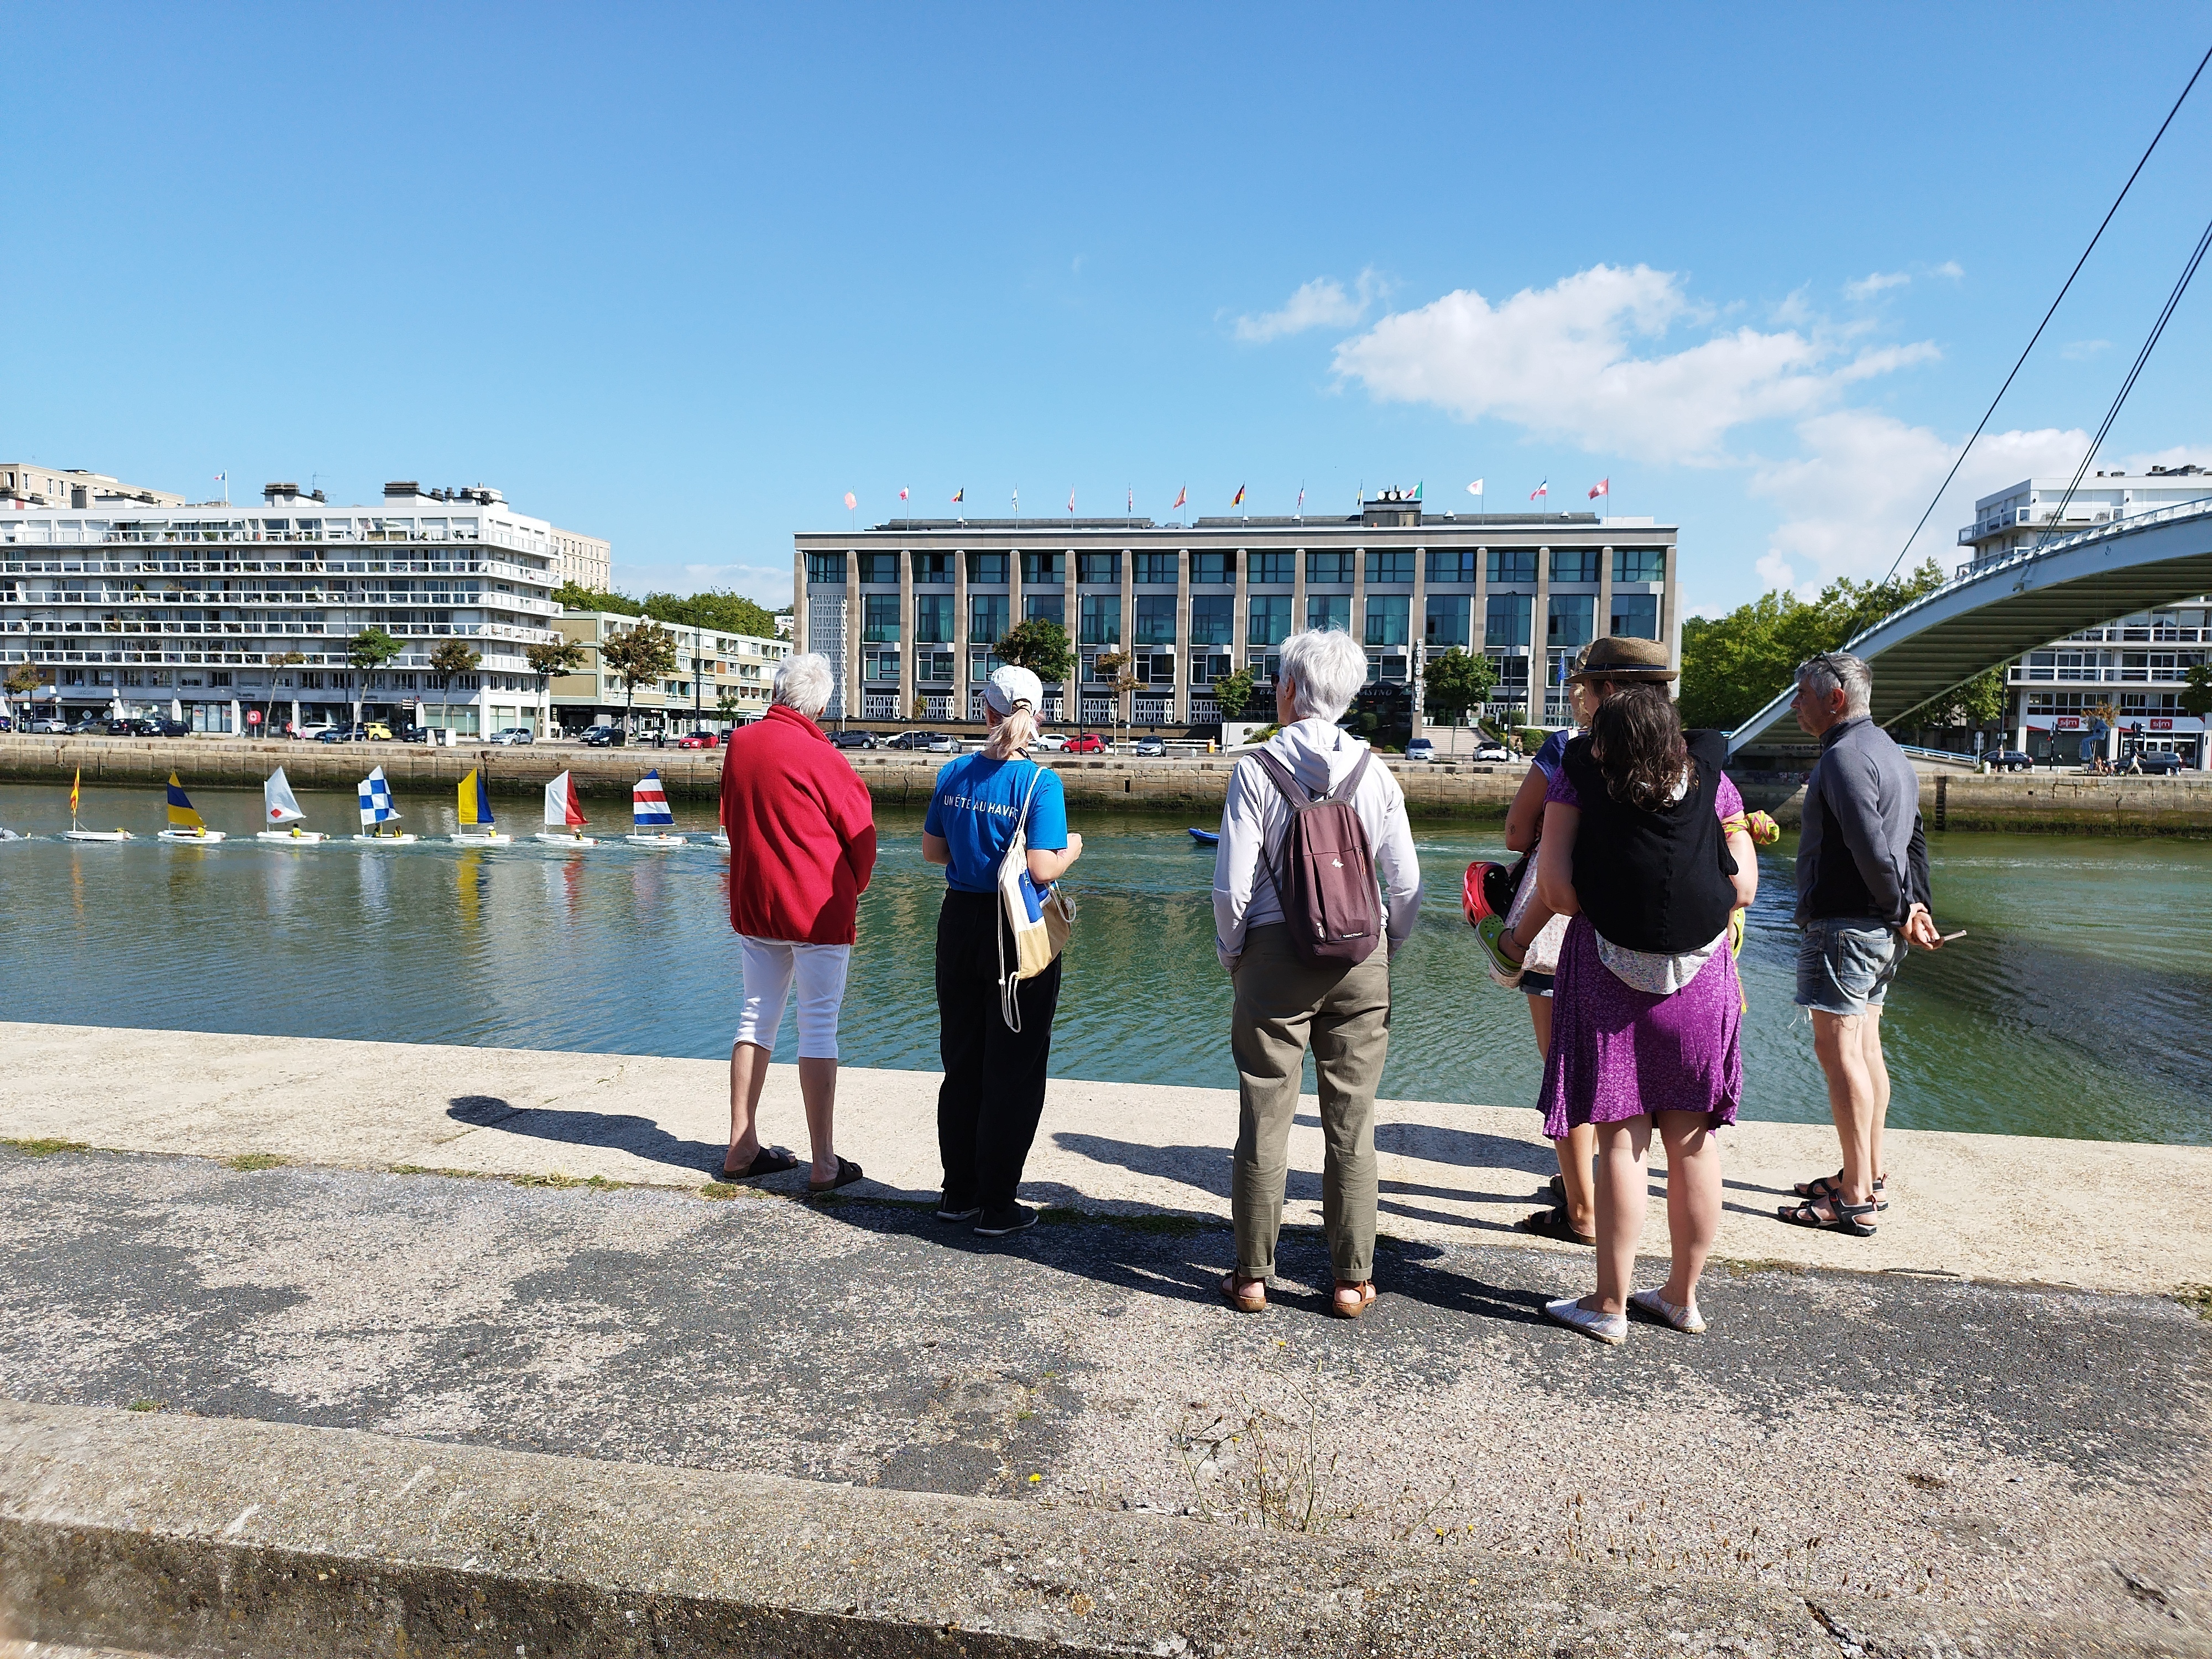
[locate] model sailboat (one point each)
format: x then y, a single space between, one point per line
185 825
377 811
564 817
281 813
78 831
651 822
477 828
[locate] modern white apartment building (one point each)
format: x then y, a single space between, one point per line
2134 668
586 561
719 679
911 608
198 611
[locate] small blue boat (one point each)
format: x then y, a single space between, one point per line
1205 837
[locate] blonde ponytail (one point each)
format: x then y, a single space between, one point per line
1011 736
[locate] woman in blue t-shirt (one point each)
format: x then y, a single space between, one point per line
993 1090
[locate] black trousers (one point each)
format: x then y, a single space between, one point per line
993 1090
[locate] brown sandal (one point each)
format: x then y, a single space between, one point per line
1362 1297
1234 1292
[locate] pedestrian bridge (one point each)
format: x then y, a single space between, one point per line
1996 610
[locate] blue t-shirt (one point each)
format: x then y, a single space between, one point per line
972 810
1553 754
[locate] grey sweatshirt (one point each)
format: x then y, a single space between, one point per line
1862 851
1254 818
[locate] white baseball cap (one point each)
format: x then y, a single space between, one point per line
1011 687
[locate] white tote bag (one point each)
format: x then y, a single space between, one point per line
1040 918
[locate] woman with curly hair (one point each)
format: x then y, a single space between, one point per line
1646 1018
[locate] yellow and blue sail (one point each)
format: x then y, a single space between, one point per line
182 815
475 802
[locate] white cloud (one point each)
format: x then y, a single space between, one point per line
2180 455
1562 362
1868 286
1862 480
1321 303
2082 350
1950 268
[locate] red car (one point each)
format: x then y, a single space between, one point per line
1085 742
696 740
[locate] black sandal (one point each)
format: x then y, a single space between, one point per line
1842 1218
770 1160
1829 1185
1555 1189
847 1173
1555 1223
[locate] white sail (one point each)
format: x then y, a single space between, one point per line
279 804
560 812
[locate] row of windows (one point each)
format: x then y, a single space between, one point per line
1571 622
1384 567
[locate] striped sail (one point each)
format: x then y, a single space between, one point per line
475 802
562 810
376 805
278 804
181 813
648 803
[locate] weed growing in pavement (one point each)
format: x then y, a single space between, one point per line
143 1405
41 1148
255 1161
1260 1468
596 1183
2198 1299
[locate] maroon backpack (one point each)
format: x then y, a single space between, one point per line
1325 876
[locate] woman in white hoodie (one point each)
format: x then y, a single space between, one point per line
1284 1003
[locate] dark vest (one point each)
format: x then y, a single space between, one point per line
1653 881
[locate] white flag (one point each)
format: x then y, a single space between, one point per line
1475 489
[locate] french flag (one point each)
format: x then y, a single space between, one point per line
1543 488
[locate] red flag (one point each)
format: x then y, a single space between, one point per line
1071 501
1182 495
902 494
1602 486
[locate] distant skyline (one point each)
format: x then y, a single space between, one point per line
685 277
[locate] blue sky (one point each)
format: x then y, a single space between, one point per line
683 277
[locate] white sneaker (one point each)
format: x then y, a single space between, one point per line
1687 1319
1568 1310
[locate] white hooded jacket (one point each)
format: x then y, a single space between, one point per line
1255 818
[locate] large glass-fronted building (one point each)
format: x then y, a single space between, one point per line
911 608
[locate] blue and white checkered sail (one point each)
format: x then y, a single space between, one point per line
648 803
376 805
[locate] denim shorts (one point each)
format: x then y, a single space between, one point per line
1845 963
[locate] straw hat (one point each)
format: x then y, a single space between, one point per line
1626 660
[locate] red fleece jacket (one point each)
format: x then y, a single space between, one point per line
802 831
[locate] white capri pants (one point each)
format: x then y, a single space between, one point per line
771 965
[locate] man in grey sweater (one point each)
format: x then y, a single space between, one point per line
1862 895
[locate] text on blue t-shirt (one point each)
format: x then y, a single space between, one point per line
973 808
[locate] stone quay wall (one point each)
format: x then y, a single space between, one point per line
2069 803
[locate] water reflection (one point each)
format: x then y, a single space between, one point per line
2073 1007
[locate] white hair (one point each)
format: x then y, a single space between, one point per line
1327 668
1831 670
803 683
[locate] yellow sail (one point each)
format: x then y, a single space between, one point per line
475 803
181 813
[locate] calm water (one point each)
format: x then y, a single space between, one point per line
2075 1007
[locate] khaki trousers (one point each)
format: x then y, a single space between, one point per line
1282 1007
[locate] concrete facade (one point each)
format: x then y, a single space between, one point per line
28 483
909 610
720 680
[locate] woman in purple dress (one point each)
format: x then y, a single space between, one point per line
1646 1015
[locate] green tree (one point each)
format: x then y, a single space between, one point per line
1236 692
573 597
718 609
369 650
639 655
1113 668
1733 664
549 657
1454 683
1042 647
452 657
1981 700
2196 698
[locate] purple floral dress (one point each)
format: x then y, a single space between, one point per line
1617 1052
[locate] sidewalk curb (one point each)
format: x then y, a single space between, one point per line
186 1536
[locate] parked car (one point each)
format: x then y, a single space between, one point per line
600 737
1494 753
408 732
1052 742
508 737
335 734
160 726
6 724
1085 743
2009 760
49 724
2160 760
1421 749
1155 747
854 739
371 731
921 740
697 740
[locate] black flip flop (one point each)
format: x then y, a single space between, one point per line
847 1173
1555 1223
770 1160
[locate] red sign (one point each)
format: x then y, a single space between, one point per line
2161 725
2068 722
253 717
